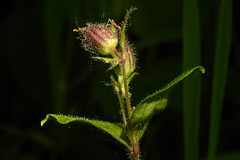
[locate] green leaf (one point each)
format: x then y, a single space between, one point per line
221 60
122 37
191 88
131 77
104 59
153 103
116 130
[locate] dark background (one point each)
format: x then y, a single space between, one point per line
45 70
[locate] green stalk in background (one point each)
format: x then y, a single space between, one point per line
191 88
53 34
223 45
58 66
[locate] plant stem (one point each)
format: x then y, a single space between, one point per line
134 152
129 109
121 100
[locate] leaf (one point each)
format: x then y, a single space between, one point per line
131 77
153 103
104 59
122 37
191 88
220 70
116 130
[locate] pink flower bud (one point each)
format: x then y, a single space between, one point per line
99 38
130 63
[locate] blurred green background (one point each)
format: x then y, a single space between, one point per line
45 70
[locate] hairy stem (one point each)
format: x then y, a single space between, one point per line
129 109
134 152
121 100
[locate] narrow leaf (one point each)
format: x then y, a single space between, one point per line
122 37
223 45
53 21
131 77
104 59
191 88
153 103
116 130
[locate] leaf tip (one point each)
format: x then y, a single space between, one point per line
44 120
201 69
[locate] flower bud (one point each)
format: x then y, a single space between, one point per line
99 38
130 63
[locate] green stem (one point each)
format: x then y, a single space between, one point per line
129 109
122 45
121 100
134 152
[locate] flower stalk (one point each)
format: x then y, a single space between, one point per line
128 103
122 106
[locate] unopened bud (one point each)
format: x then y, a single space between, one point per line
130 63
99 38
